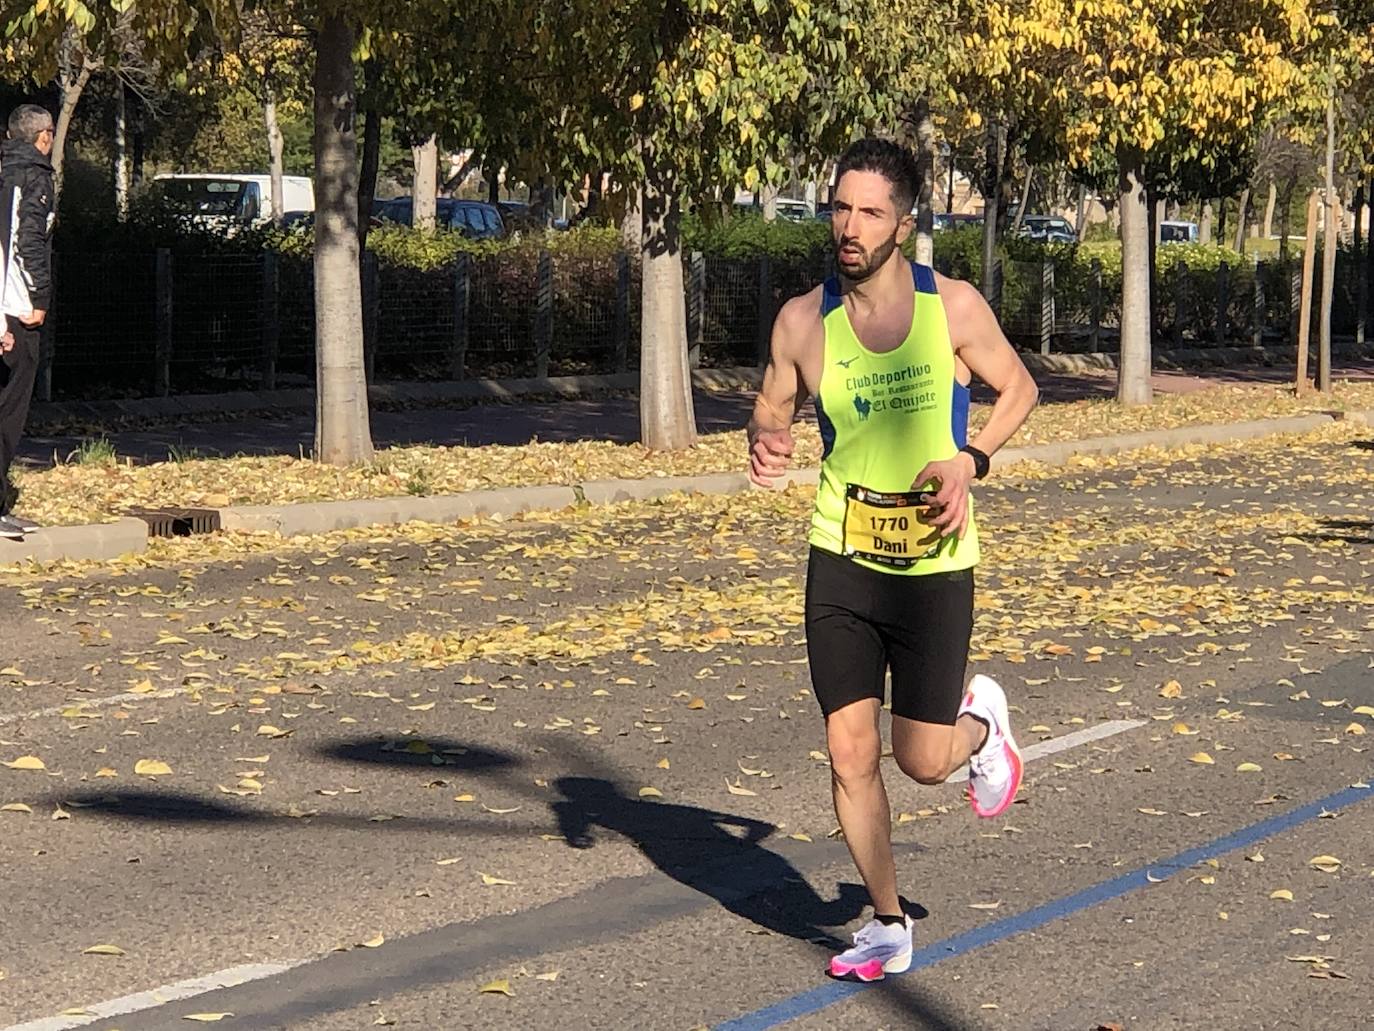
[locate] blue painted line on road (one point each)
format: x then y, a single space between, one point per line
836 991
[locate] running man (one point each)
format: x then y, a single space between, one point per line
887 350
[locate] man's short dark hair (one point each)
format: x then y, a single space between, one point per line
27 121
890 160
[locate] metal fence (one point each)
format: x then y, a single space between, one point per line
164 322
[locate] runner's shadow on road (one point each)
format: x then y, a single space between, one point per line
428 753
718 854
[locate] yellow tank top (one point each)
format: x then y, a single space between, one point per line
882 418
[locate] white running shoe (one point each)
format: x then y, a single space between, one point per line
995 769
879 949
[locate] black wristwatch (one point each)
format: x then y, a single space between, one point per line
981 462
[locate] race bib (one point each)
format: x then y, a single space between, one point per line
888 528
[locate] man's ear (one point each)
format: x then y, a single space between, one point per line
905 224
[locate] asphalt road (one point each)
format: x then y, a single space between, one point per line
404 765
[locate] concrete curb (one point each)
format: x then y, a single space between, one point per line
607 492
1060 453
335 515
324 516
98 542
105 541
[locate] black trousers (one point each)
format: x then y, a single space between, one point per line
18 370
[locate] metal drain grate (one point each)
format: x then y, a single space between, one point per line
178 522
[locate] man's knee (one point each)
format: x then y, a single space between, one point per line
923 769
854 758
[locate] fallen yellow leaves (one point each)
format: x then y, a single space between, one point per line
207 1018
499 987
152 768
75 493
103 950
1326 864
27 762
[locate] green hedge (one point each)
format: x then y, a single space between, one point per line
738 236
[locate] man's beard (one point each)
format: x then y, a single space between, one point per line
869 263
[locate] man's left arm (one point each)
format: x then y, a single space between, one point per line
981 345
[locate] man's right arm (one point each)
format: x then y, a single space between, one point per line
35 207
780 397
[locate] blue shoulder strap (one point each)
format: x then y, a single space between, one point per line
830 297
924 277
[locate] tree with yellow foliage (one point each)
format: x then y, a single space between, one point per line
1137 77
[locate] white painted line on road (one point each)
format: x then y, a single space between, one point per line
159 996
89 703
256 972
1060 744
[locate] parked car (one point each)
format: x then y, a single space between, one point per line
945 221
1178 232
475 219
520 216
232 199
1048 229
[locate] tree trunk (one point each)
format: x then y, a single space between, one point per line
1242 216
632 225
455 181
925 193
121 151
425 191
342 432
1025 198
372 153
992 188
275 148
71 95
1081 225
1269 209
136 140
1154 208
1285 215
768 202
1133 369
1329 242
1204 230
1361 288
494 185
667 421
1221 219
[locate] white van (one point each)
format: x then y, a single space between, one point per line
231 198
1178 232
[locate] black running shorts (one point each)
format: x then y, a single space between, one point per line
860 623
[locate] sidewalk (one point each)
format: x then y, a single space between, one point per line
613 418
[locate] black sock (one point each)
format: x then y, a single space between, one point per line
889 921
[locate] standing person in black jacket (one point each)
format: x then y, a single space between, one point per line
26 217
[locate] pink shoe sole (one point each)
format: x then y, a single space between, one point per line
1014 757
866 972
